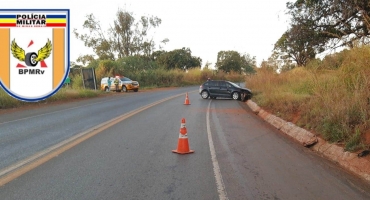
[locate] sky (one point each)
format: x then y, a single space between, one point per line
204 26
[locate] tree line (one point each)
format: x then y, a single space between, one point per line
129 43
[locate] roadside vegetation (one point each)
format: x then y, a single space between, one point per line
150 79
330 97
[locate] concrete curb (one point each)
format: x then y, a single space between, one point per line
347 160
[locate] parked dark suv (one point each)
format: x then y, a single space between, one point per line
222 88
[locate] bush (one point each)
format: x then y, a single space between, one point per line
77 82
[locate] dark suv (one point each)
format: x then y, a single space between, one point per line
221 88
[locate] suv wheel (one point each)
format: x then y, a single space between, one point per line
235 95
204 94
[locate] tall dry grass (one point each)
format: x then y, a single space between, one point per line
330 97
281 93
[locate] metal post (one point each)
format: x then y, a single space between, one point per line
82 76
93 71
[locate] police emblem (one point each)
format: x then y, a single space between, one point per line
35 46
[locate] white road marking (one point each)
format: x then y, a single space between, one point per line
216 168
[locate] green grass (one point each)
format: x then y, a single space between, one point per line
354 142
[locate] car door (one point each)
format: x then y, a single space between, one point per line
223 90
213 88
230 89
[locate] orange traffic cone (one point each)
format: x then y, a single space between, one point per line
187 102
183 143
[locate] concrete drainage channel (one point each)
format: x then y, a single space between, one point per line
349 161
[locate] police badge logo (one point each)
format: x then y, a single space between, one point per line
34 44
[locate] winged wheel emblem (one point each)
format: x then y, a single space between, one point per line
32 58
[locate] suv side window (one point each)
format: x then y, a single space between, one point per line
222 84
206 84
229 85
212 83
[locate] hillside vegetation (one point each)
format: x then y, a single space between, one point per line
330 97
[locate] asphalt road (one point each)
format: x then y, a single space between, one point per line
237 155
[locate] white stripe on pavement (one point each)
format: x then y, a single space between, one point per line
216 168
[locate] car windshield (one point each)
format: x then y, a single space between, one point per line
234 84
125 79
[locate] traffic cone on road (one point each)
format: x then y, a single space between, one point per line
183 143
187 102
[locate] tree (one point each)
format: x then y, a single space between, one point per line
228 61
96 39
74 65
155 55
275 64
86 59
127 37
130 37
248 63
136 63
178 59
341 21
299 44
207 65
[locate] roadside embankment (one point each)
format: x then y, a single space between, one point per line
347 160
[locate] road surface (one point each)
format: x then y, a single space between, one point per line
237 155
